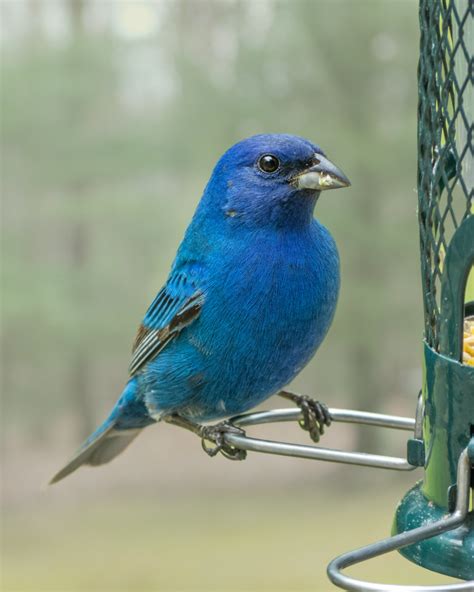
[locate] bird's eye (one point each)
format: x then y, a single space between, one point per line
268 163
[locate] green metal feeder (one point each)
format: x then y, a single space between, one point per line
434 523
445 193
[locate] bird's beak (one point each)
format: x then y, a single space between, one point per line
321 176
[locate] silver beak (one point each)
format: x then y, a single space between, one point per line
321 176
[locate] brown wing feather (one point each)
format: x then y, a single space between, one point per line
140 336
149 342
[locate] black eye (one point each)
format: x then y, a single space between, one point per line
268 163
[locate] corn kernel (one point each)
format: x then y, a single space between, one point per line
468 342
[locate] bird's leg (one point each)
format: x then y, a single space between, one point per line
315 414
216 434
213 433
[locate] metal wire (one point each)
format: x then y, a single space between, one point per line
369 460
338 416
408 538
318 452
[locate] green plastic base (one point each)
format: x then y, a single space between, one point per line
451 553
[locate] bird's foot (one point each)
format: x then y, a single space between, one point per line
216 435
316 415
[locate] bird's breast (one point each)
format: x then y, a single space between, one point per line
267 309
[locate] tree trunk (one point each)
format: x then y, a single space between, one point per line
80 366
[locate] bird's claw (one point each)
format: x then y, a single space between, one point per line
216 435
315 416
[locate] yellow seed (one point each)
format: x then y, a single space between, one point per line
468 342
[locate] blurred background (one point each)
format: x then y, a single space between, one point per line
113 114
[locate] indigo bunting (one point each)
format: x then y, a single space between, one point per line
250 297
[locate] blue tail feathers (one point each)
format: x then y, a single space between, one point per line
123 425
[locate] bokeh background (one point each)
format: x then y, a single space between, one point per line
112 116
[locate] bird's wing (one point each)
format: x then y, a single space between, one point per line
176 306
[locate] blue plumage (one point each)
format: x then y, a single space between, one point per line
249 299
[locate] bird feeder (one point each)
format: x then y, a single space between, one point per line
446 220
434 523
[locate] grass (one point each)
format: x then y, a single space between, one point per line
234 542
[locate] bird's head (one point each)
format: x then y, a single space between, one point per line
272 179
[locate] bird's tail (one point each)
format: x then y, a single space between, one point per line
100 448
112 437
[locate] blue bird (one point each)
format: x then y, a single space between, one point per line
250 297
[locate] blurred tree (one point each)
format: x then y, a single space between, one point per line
80 366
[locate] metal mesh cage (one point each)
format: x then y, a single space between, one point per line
445 139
